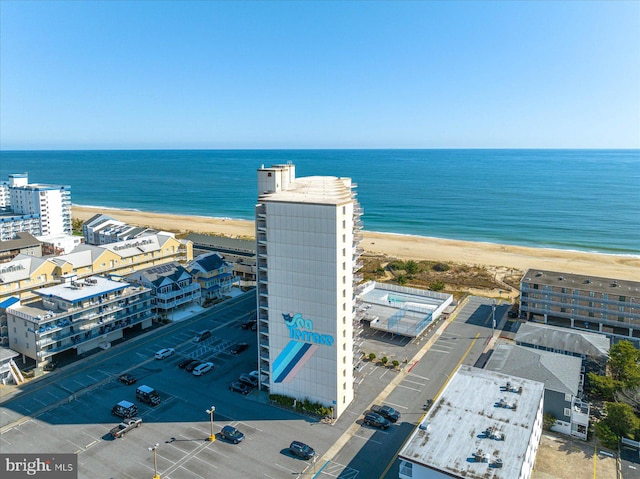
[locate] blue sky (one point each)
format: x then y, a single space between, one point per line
329 74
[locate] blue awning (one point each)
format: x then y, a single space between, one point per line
9 301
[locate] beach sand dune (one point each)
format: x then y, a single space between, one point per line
405 247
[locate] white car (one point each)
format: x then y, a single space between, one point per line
165 353
203 369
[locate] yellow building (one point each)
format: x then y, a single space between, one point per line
22 275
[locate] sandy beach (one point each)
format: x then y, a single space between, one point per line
405 247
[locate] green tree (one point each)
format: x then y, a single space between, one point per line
548 420
395 363
603 387
607 437
411 267
620 419
436 286
372 356
624 363
402 279
384 360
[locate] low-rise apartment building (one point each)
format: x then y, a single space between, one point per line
563 381
214 275
603 305
79 314
485 424
171 286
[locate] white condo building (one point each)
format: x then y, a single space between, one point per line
307 235
42 210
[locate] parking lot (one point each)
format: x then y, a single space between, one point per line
70 409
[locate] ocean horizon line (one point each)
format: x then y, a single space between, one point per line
410 235
10 150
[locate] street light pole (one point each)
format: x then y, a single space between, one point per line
155 462
210 412
493 317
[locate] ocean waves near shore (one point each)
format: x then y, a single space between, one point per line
585 200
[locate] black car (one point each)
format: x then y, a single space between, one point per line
185 362
386 412
249 380
376 420
127 379
238 348
249 324
230 433
512 313
238 387
302 450
192 365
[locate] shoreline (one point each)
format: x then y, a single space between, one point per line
403 246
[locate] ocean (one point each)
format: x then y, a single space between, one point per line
584 200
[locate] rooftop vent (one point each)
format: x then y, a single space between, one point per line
478 456
614 284
497 463
538 274
561 278
587 281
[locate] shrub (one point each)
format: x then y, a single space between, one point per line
436 286
441 267
372 356
395 363
548 420
402 279
384 360
411 267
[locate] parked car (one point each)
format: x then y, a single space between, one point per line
386 412
192 365
376 420
249 380
165 353
302 450
202 369
238 348
184 362
512 314
125 426
50 366
249 324
124 409
238 387
202 335
232 434
127 379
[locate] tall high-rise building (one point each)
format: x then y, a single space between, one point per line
42 210
308 232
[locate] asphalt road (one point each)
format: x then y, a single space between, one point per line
69 410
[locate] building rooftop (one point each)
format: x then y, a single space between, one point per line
558 372
82 289
223 243
562 339
21 240
470 418
583 283
325 190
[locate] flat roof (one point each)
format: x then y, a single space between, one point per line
401 310
82 289
321 190
456 426
582 282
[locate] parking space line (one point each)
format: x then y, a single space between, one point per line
396 405
193 473
414 382
438 351
76 445
285 468
41 402
407 387
367 439
417 376
92 378
4 440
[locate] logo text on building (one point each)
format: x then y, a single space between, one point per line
301 329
